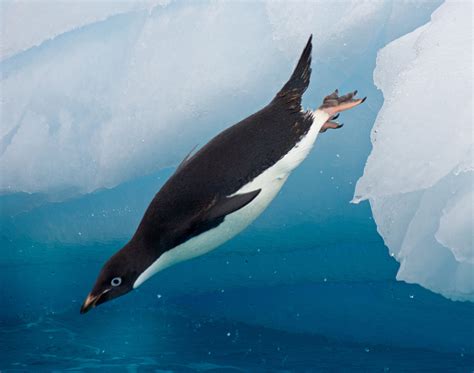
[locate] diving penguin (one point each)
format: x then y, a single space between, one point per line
217 192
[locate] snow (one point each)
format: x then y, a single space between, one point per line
419 175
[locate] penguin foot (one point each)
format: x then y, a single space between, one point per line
334 103
330 124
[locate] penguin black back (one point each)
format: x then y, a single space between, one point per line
230 160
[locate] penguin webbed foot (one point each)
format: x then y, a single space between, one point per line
333 103
330 124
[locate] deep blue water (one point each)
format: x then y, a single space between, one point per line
279 297
170 338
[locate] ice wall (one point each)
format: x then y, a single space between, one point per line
115 90
419 175
47 19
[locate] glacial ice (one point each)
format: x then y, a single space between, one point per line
28 24
419 175
95 103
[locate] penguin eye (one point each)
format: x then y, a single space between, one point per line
116 281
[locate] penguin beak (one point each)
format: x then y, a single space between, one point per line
93 300
89 303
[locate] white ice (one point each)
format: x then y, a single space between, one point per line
27 24
419 175
96 93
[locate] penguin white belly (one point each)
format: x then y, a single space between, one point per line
270 182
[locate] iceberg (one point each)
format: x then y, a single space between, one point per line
46 20
419 176
112 91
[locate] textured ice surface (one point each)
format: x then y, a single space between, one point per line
26 24
116 90
419 175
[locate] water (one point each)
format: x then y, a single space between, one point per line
317 293
173 338
234 310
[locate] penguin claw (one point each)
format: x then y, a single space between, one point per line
330 124
332 96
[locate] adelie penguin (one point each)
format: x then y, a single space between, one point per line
217 192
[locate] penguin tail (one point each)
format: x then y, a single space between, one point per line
293 90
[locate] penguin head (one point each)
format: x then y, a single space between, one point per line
115 279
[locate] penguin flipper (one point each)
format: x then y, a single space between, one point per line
231 204
293 90
217 212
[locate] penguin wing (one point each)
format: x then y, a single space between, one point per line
291 93
217 211
231 204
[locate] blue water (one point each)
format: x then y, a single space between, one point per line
170 338
279 297
332 324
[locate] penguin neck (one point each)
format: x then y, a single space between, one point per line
139 255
